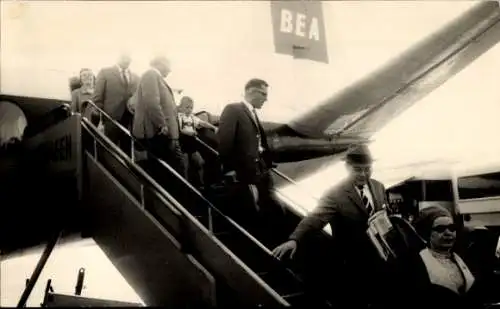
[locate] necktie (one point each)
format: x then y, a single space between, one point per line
125 79
365 200
259 135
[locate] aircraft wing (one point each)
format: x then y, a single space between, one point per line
366 106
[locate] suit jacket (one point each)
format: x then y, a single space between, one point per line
155 107
238 144
111 93
343 209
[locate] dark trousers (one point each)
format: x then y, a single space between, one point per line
264 219
363 274
168 150
116 135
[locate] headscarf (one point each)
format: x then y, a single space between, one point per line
426 217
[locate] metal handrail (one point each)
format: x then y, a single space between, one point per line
127 161
193 189
236 225
133 139
243 230
273 170
164 164
172 199
127 132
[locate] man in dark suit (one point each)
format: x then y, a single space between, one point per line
347 208
114 86
155 122
245 156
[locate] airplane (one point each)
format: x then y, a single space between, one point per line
306 136
311 136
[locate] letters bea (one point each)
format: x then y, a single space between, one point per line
299 24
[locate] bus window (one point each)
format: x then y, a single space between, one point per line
438 190
479 186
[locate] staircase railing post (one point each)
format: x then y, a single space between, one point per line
38 270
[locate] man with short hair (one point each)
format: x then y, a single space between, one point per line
155 122
245 155
114 86
347 208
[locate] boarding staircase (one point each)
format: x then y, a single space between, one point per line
173 246
237 268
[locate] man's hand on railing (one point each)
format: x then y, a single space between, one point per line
288 248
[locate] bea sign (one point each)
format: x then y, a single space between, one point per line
299 29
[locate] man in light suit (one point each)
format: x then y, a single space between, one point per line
155 122
347 208
245 155
114 86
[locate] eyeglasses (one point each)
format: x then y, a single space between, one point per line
260 91
442 228
362 169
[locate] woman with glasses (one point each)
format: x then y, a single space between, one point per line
439 275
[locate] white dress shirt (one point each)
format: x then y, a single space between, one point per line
124 72
250 108
367 193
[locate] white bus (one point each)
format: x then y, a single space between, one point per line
471 193
477 195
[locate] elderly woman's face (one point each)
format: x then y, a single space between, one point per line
443 233
87 77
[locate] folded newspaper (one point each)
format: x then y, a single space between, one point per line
379 227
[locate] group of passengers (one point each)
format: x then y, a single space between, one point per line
115 91
436 275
